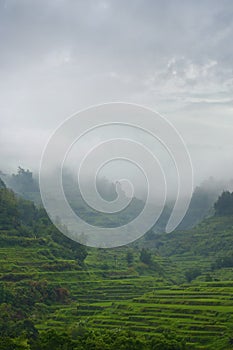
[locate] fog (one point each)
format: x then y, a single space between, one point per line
175 57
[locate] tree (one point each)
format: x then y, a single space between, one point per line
23 182
129 258
146 257
224 204
9 215
192 273
2 185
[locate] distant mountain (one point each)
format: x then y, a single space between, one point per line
204 196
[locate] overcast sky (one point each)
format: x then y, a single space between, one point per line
59 56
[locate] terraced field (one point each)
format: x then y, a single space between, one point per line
119 298
202 314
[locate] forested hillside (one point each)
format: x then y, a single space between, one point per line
42 272
165 291
26 185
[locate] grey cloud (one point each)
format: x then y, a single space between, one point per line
59 56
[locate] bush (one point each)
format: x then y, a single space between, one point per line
192 273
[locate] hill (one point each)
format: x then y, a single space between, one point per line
168 291
26 185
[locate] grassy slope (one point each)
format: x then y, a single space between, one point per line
109 294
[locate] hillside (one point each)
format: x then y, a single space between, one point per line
204 246
170 291
26 185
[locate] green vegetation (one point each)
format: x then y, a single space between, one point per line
167 291
224 204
